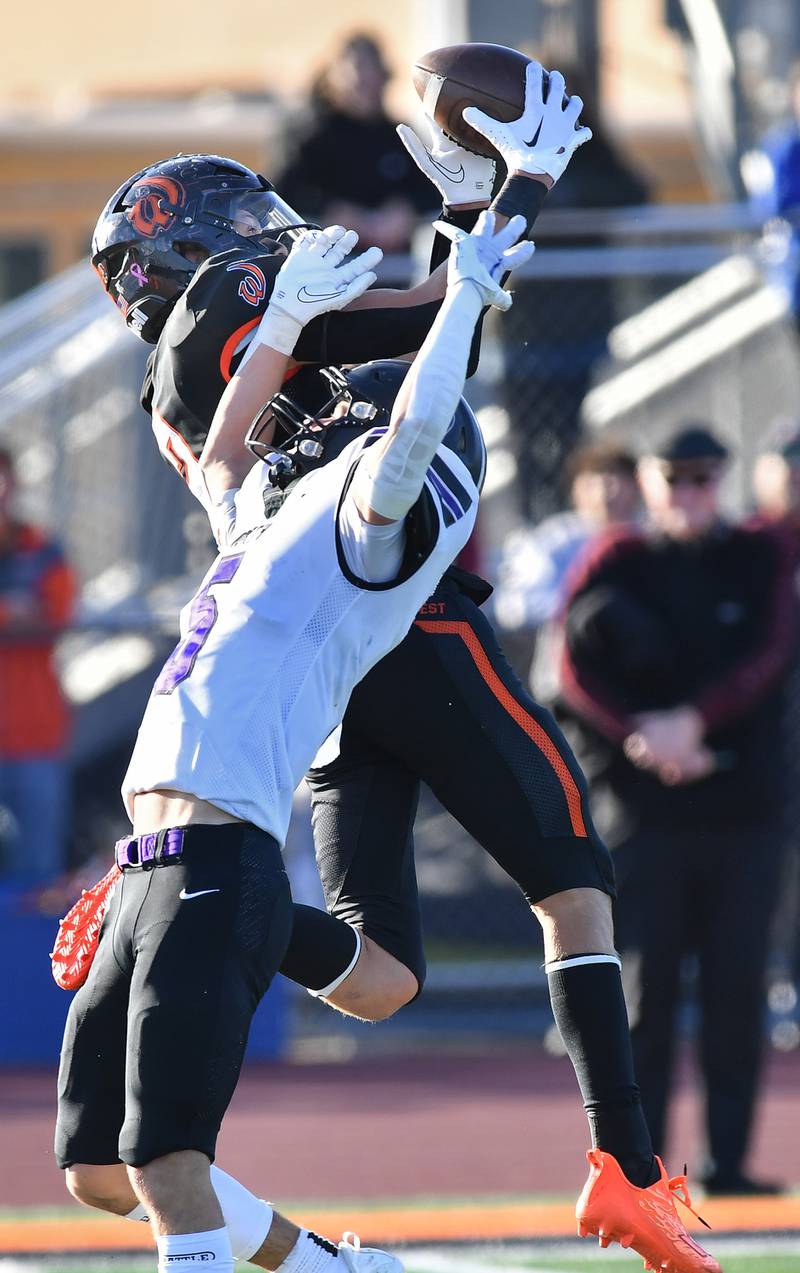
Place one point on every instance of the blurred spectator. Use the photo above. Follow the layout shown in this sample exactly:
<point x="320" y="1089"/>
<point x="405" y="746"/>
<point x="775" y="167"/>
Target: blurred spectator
<point x="558" y="328"/>
<point x="600" y="482"/>
<point x="776" y="477"/>
<point x="776" y="483"/>
<point x="348" y="166"/>
<point x="675" y="643"/>
<point x="36" y="597"/>
<point x="774" y="185"/>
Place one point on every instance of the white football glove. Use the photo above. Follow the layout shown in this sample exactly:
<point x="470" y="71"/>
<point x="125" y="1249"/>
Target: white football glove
<point x="458" y="175"/>
<point x="482" y="257"/>
<point x="315" y="277"/>
<point x="544" y="138"/>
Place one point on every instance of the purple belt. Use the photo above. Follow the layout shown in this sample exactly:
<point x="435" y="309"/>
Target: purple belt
<point x="150" y="849"/>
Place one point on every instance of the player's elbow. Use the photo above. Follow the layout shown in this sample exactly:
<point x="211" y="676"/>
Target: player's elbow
<point x="388" y="999"/>
<point x="379" y="986"/>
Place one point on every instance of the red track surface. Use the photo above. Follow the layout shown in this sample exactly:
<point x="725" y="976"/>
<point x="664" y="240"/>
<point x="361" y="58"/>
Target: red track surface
<point x="509" y="1123"/>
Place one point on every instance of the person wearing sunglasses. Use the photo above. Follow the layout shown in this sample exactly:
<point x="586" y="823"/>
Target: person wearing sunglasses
<point x="676" y="638"/>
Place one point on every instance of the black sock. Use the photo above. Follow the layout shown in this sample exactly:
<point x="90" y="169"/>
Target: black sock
<point x="320" y="948"/>
<point x="589" y="1010"/>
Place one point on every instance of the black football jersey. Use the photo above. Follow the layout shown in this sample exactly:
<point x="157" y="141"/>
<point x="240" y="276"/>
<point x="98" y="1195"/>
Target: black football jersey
<point x="204" y="338"/>
<point x="212" y="324"/>
<point x="210" y="329"/>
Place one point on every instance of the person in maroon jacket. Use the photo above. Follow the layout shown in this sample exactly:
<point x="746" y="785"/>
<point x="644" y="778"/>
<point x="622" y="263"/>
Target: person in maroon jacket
<point x="676" y="640"/>
<point x="776" y="486"/>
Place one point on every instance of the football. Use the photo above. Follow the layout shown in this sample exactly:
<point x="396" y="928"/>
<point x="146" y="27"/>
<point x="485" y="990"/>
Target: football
<point x="490" y="76"/>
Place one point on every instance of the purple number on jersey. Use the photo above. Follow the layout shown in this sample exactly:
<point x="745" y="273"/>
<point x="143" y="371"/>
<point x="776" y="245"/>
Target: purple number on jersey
<point x="202" y="617"/>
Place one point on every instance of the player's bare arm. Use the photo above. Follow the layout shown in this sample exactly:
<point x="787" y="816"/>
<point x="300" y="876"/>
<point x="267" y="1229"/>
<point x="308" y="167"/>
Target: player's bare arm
<point x="430" y="289"/>
<point x="224" y="459"/>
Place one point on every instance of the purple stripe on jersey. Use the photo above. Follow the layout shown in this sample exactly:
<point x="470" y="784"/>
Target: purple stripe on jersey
<point x="370" y="438"/>
<point x="451" y="482"/>
<point x="446" y="496"/>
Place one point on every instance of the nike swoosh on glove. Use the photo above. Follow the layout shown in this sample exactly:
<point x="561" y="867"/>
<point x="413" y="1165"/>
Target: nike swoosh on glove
<point x="460" y="177"/>
<point x="317" y="276"/>
<point x="545" y="137"/>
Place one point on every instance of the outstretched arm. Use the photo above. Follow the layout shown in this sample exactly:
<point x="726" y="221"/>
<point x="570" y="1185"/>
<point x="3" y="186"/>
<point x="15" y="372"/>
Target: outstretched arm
<point x="390" y="477"/>
<point x="465" y="181"/>
<point x="318" y="275"/>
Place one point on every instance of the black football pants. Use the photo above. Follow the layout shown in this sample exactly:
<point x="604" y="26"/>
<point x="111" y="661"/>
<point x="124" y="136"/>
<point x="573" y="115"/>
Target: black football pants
<point x="711" y="893"/>
<point x="445" y="708"/>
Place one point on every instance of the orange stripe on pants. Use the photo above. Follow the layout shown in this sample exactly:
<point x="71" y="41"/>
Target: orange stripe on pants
<point x="524" y="719"/>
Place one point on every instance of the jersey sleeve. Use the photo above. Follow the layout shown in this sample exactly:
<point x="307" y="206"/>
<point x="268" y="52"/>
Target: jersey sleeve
<point x="200" y="347"/>
<point x="436" y="528"/>
<point x="361" y="335"/>
<point x="373" y="552"/>
<point x="202" y="343"/>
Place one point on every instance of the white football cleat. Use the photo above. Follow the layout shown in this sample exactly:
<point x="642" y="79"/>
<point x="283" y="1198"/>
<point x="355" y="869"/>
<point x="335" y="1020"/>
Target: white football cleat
<point x="366" y="1259"/>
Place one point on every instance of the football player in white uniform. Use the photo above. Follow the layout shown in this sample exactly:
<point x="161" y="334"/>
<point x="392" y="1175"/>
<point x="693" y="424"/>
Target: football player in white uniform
<point x="289" y="617"/>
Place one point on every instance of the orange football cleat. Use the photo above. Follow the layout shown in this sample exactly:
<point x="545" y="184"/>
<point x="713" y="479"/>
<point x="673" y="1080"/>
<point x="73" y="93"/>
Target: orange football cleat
<point x="644" y="1219"/>
<point x="79" y="932"/>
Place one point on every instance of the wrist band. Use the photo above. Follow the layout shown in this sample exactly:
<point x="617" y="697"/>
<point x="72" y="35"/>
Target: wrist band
<point x="277" y="329"/>
<point x="464" y="218"/>
<point x="521" y="196"/>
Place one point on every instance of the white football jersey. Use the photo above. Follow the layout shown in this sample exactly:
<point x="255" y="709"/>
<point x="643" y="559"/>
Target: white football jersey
<point x="277" y="637"/>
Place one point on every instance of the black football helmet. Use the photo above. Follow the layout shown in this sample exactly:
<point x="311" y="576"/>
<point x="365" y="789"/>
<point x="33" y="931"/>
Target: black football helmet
<point x="165" y="221"/>
<point x="312" y="426"/>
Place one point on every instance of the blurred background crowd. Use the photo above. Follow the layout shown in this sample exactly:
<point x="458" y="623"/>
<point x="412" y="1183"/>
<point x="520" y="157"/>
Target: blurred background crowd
<point x="641" y="521"/>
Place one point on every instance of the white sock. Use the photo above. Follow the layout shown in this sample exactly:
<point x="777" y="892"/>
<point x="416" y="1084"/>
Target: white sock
<point x="184" y="1252"/>
<point x="310" y="1254"/>
<point x="248" y="1219"/>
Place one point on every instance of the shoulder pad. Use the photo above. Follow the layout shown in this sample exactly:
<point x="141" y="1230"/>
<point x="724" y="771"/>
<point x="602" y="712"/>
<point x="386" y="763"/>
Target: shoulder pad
<point x="242" y="278"/>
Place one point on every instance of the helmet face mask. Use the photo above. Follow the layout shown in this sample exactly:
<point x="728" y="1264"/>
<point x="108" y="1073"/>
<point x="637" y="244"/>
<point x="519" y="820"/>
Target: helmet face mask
<point x="294" y="441"/>
<point x="300" y="442"/>
<point x="164" y="222"/>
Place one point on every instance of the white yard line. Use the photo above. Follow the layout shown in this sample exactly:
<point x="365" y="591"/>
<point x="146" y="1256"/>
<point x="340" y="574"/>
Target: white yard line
<point x="532" y="1257"/>
<point x="521" y="1257"/>
<point x="457" y="1262"/>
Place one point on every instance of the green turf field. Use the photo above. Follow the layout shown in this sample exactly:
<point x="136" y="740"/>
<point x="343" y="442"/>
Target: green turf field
<point x="745" y="1263"/>
<point x="756" y="1254"/>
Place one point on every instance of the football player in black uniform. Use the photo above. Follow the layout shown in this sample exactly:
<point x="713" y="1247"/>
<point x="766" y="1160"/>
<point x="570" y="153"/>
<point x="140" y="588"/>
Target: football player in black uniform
<point x="189" y="250"/>
<point x="286" y="622"/>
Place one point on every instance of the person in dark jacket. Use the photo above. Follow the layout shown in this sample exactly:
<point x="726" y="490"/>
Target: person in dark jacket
<point x="345" y="164"/>
<point x="676" y="640"/>
<point x="549" y="362"/>
<point x="776" y="486"/>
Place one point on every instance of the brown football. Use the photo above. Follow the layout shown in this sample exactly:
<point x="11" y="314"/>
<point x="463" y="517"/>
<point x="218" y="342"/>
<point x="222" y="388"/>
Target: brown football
<point x="486" y="75"/>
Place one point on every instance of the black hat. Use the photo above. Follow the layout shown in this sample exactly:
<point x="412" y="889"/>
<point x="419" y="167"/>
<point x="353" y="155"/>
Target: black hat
<point x="689" y="444"/>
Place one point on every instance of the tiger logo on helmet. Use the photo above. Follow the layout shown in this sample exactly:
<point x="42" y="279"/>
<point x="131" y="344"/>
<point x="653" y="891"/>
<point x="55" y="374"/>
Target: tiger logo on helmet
<point x="164" y="222"/>
<point x="155" y="205"/>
